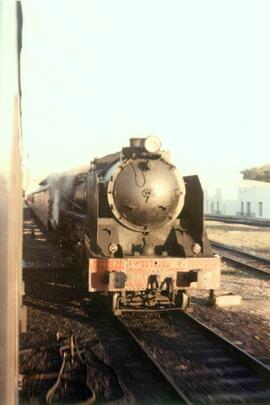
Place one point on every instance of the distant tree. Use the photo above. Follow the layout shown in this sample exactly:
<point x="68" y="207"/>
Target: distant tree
<point x="260" y="173"/>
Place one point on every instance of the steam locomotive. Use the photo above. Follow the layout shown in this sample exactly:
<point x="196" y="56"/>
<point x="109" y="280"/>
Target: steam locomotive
<point x="136" y="223"/>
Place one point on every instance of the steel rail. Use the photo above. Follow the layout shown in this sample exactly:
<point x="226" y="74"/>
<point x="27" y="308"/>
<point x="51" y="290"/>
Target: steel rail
<point x="243" y="258"/>
<point x="69" y="311"/>
<point x="246" y="357"/>
<point x="245" y="363"/>
<point x="231" y="350"/>
<point x="265" y="223"/>
<point x="179" y="392"/>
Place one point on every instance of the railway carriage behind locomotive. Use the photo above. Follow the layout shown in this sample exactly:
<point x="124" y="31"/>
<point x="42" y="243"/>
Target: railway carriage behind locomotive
<point x="137" y="223"/>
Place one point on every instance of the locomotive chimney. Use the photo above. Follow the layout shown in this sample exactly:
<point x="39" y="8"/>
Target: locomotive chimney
<point x="136" y="142"/>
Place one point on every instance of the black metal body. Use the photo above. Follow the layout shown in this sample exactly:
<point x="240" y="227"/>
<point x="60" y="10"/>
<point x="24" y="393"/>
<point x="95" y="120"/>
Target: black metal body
<point x="135" y="200"/>
<point x="130" y="205"/>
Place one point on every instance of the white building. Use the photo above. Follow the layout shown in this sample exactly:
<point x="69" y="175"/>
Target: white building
<point x="213" y="204"/>
<point x="253" y="201"/>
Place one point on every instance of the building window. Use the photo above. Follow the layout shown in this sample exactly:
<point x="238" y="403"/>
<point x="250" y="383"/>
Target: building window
<point x="248" y="209"/>
<point x="260" y="204"/>
<point x="217" y="207"/>
<point x="212" y="207"/>
<point x="242" y="207"/>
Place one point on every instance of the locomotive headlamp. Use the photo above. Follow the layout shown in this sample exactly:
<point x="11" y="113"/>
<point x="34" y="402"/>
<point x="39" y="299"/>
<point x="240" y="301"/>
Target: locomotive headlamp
<point x="196" y="248"/>
<point x="152" y="144"/>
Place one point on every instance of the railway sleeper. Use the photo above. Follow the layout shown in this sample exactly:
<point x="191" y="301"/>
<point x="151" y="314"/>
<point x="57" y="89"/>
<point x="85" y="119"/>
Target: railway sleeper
<point x="261" y="396"/>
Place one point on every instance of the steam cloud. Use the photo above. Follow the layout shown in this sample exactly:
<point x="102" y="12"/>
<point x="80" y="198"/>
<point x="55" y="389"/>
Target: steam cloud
<point x="61" y="187"/>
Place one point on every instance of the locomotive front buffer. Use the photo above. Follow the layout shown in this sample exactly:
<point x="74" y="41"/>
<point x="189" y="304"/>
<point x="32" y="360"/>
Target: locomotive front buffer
<point x="148" y="282"/>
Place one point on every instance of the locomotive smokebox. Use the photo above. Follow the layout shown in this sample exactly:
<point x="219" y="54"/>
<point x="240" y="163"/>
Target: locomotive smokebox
<point x="145" y="191"/>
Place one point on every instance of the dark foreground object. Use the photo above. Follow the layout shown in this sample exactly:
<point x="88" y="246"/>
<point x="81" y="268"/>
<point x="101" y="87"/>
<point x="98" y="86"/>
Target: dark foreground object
<point x="116" y="367"/>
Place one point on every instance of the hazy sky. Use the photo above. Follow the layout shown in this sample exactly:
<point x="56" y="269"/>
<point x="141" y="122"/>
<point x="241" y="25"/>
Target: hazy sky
<point x="195" y="73"/>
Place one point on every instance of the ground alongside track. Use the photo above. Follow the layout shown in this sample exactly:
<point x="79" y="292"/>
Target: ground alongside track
<point x="253" y="238"/>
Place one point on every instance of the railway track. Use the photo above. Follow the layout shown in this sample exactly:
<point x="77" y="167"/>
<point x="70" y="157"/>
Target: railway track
<point x="201" y="365"/>
<point x="239" y="220"/>
<point x="167" y="357"/>
<point x="238" y="256"/>
<point x="139" y="379"/>
<point x="158" y="357"/>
